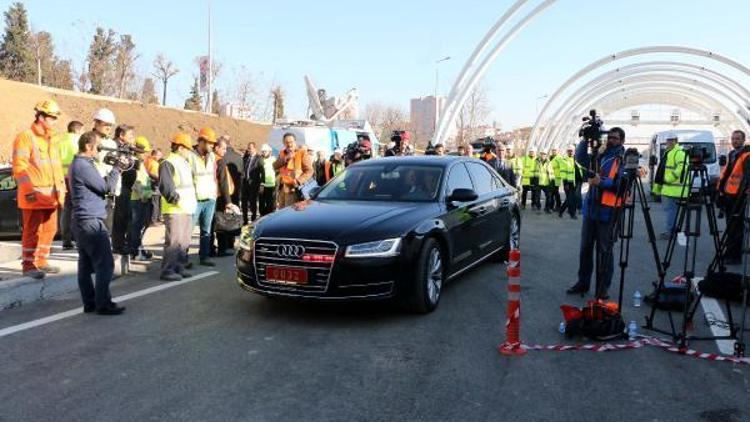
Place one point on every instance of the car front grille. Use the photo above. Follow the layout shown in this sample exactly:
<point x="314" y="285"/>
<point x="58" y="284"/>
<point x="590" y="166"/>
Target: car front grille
<point x="288" y="253"/>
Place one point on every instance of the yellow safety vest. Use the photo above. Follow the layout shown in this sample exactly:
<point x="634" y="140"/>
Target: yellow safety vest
<point x="183" y="182"/>
<point x="142" y="186"/>
<point x="204" y="176"/>
<point x="675" y="179"/>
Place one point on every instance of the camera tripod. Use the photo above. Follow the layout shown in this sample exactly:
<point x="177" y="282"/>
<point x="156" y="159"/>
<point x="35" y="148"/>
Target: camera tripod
<point x="688" y="221"/>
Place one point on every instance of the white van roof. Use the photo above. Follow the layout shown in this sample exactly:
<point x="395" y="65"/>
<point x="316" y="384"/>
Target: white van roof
<point x="686" y="136"/>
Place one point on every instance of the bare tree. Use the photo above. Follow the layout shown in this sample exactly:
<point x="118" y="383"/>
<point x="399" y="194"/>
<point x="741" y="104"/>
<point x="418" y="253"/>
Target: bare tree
<point x="40" y="44"/>
<point x="384" y="119"/>
<point x="474" y="114"/>
<point x="164" y="69"/>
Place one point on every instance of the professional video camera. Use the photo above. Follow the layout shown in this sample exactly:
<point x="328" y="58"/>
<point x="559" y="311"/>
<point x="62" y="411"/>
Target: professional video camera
<point x="124" y="156"/>
<point x="697" y="154"/>
<point x="359" y="150"/>
<point x="397" y="139"/>
<point x="592" y="128"/>
<point x="430" y="150"/>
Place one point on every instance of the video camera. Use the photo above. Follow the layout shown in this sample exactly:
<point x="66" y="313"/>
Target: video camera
<point x="398" y="137"/>
<point x="359" y="150"/>
<point x="124" y="156"/>
<point x="592" y="129"/>
<point x="697" y="154"/>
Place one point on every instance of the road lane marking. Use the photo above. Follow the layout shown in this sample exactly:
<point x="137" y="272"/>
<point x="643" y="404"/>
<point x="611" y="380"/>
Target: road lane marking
<point x="711" y="307"/>
<point x="73" y="312"/>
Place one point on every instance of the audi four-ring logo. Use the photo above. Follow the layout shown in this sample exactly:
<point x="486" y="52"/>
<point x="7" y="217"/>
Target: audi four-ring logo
<point x="290" y="251"/>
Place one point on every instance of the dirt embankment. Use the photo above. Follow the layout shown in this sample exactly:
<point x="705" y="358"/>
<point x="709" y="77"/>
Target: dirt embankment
<point x="157" y="123"/>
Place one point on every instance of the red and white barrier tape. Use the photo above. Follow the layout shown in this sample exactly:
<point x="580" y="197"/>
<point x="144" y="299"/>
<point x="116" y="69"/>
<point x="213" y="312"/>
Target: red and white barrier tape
<point x="637" y="344"/>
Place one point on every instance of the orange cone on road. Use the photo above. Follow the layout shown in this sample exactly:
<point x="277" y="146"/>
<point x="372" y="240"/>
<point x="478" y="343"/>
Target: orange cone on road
<point x="512" y="345"/>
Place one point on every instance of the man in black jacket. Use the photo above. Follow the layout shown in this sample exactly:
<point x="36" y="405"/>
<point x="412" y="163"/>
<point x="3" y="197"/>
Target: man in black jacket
<point x="124" y="135"/>
<point x="250" y="186"/>
<point x="234" y="165"/>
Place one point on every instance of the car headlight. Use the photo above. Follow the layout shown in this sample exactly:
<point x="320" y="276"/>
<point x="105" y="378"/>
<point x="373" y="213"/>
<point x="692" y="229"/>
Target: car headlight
<point x="377" y="249"/>
<point x="246" y="237"/>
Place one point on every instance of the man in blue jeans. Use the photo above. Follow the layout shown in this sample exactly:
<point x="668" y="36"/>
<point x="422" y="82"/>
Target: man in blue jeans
<point x="88" y="191"/>
<point x="598" y="212"/>
<point x="203" y="165"/>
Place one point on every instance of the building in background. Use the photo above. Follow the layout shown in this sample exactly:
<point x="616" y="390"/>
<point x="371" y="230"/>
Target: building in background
<point x="423" y="114"/>
<point x="237" y="111"/>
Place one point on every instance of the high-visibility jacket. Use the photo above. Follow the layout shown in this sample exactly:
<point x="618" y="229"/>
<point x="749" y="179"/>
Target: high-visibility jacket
<point x="517" y="164"/>
<point x="152" y="166"/>
<point x="530" y="169"/>
<point x="38" y="170"/>
<point x="545" y="172"/>
<point x="567" y="167"/>
<point x="297" y="169"/>
<point x="68" y="143"/>
<point x="555" y="164"/>
<point x="142" y="189"/>
<point x="269" y="174"/>
<point x="609" y="197"/>
<point x="184" y="185"/>
<point x="734" y="182"/>
<point x="204" y="175"/>
<point x="675" y="177"/>
<point x="332" y="169"/>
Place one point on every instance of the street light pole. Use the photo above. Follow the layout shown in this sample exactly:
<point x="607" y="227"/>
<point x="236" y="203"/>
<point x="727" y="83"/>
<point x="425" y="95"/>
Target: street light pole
<point x="437" y="103"/>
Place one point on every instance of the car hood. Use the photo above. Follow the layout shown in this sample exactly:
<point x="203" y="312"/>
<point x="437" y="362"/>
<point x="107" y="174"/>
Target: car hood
<point x="344" y="221"/>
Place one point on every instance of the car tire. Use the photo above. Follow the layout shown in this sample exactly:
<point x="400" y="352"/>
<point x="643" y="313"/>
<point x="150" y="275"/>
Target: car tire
<point x="514" y="238"/>
<point x="426" y="289"/>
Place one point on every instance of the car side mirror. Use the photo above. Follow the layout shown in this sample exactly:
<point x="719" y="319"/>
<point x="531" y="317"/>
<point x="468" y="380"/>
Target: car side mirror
<point x="462" y="195"/>
<point x="315" y="191"/>
<point x="722" y="160"/>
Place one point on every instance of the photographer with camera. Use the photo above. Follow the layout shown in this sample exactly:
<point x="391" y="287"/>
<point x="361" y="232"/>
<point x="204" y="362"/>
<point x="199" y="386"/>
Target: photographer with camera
<point x="671" y="182"/>
<point x="358" y="151"/>
<point x="89" y="191"/>
<point x="598" y="207"/>
<point x="731" y="196"/>
<point x="400" y="144"/>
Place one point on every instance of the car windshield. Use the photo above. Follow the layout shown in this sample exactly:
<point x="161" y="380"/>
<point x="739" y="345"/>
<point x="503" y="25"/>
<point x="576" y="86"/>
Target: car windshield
<point x="386" y="182"/>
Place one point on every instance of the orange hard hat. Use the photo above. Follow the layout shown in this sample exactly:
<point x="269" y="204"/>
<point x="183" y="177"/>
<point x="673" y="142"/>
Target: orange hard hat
<point x="182" y="139"/>
<point x="48" y="107"/>
<point x="208" y="134"/>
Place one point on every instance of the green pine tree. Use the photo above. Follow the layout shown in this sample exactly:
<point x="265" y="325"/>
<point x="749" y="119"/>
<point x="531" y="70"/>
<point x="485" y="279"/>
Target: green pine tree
<point x="101" y="57"/>
<point x="195" y="101"/>
<point x="16" y="58"/>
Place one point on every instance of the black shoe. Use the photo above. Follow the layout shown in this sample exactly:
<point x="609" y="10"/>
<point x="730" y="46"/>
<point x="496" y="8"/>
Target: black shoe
<point x="87" y="309"/>
<point x="111" y="309"/>
<point x="559" y="215"/>
<point x="140" y="258"/>
<point x="68" y="246"/>
<point x="577" y="289"/>
<point x="574" y="217"/>
<point x="35" y="274"/>
<point x="171" y="277"/>
<point x="189" y="265"/>
<point x="185" y="275"/>
<point x="206" y="263"/>
<point x="548" y="211"/>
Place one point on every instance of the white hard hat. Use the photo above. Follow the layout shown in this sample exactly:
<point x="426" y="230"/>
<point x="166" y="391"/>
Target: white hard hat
<point x="338" y="151"/>
<point x="671" y="135"/>
<point x="266" y="147"/>
<point x="532" y="149"/>
<point x="105" y="115"/>
<point x="571" y="147"/>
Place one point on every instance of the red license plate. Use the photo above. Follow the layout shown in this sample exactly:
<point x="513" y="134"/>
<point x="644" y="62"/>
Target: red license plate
<point x="286" y="275"/>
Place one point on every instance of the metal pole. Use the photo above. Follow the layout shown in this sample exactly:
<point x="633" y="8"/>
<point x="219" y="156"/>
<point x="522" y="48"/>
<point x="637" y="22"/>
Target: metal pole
<point x="210" y="65"/>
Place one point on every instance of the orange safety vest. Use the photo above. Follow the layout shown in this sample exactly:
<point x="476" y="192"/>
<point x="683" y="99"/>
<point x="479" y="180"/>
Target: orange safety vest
<point x="293" y="168"/>
<point x="610" y="199"/>
<point x="735" y="178"/>
<point x="37" y="168"/>
<point x="152" y="166"/>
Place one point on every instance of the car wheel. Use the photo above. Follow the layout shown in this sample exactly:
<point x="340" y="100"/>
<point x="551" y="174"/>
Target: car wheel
<point x="430" y="276"/>
<point x="514" y="238"/>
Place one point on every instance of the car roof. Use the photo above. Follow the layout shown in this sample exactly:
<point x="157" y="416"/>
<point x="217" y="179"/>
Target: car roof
<point x="429" y="160"/>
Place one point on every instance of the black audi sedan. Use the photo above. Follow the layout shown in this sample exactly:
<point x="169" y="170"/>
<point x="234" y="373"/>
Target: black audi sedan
<point x="397" y="227"/>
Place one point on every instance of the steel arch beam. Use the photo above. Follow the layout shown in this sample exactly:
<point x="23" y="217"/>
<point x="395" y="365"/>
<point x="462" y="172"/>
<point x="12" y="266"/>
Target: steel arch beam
<point x="607" y="79"/>
<point x="652" y="88"/>
<point x="631" y="53"/>
<point x="463" y="86"/>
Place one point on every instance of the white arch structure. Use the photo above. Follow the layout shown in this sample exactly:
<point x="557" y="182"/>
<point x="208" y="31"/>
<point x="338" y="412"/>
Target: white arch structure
<point x="637" y="73"/>
<point x="655" y="92"/>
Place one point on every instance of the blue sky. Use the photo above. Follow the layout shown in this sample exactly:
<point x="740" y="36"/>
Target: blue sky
<point x="387" y="48"/>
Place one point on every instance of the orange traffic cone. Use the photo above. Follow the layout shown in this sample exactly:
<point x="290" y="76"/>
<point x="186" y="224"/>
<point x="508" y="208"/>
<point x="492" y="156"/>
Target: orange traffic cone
<point x="512" y="345"/>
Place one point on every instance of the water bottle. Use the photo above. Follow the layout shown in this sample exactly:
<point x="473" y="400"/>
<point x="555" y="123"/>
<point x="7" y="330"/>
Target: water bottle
<point x="562" y="328"/>
<point x="637" y="299"/>
<point x="632" y="331"/>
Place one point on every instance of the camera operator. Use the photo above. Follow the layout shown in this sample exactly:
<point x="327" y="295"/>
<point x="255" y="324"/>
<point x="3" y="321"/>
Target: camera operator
<point x="400" y="144"/>
<point x="730" y="195"/>
<point x="358" y="151"/>
<point x="89" y="190"/>
<point x="670" y="182"/>
<point x="597" y="212"/>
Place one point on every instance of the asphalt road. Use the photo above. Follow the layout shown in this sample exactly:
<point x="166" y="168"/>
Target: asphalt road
<point x="207" y="350"/>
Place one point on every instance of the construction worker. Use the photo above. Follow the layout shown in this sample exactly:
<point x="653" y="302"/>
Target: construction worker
<point x="671" y="182"/>
<point x="598" y="208"/>
<point x="530" y="180"/>
<point x="515" y="162"/>
<point x="89" y="191"/>
<point x="295" y="168"/>
<point x="547" y="182"/>
<point x="141" y="203"/>
<point x="335" y="165"/>
<point x="568" y="170"/>
<point x="732" y="196"/>
<point x="178" y="204"/>
<point x="152" y="166"/>
<point x="268" y="179"/>
<point x="124" y="137"/>
<point x="203" y="166"/>
<point x="104" y="122"/>
<point x="554" y="161"/>
<point x="68" y="149"/>
<point x="38" y="171"/>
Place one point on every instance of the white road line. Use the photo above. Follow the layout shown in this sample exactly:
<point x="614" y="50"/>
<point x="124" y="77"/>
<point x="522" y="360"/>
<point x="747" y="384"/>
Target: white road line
<point x="711" y="307"/>
<point x="67" y="314"/>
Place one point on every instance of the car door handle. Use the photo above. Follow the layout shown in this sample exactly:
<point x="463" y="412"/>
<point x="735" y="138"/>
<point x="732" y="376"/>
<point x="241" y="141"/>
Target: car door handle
<point x="505" y="202"/>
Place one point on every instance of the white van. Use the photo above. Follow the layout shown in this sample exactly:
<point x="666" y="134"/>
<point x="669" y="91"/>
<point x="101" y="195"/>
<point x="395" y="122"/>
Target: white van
<point x="688" y="139"/>
<point x="321" y="137"/>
